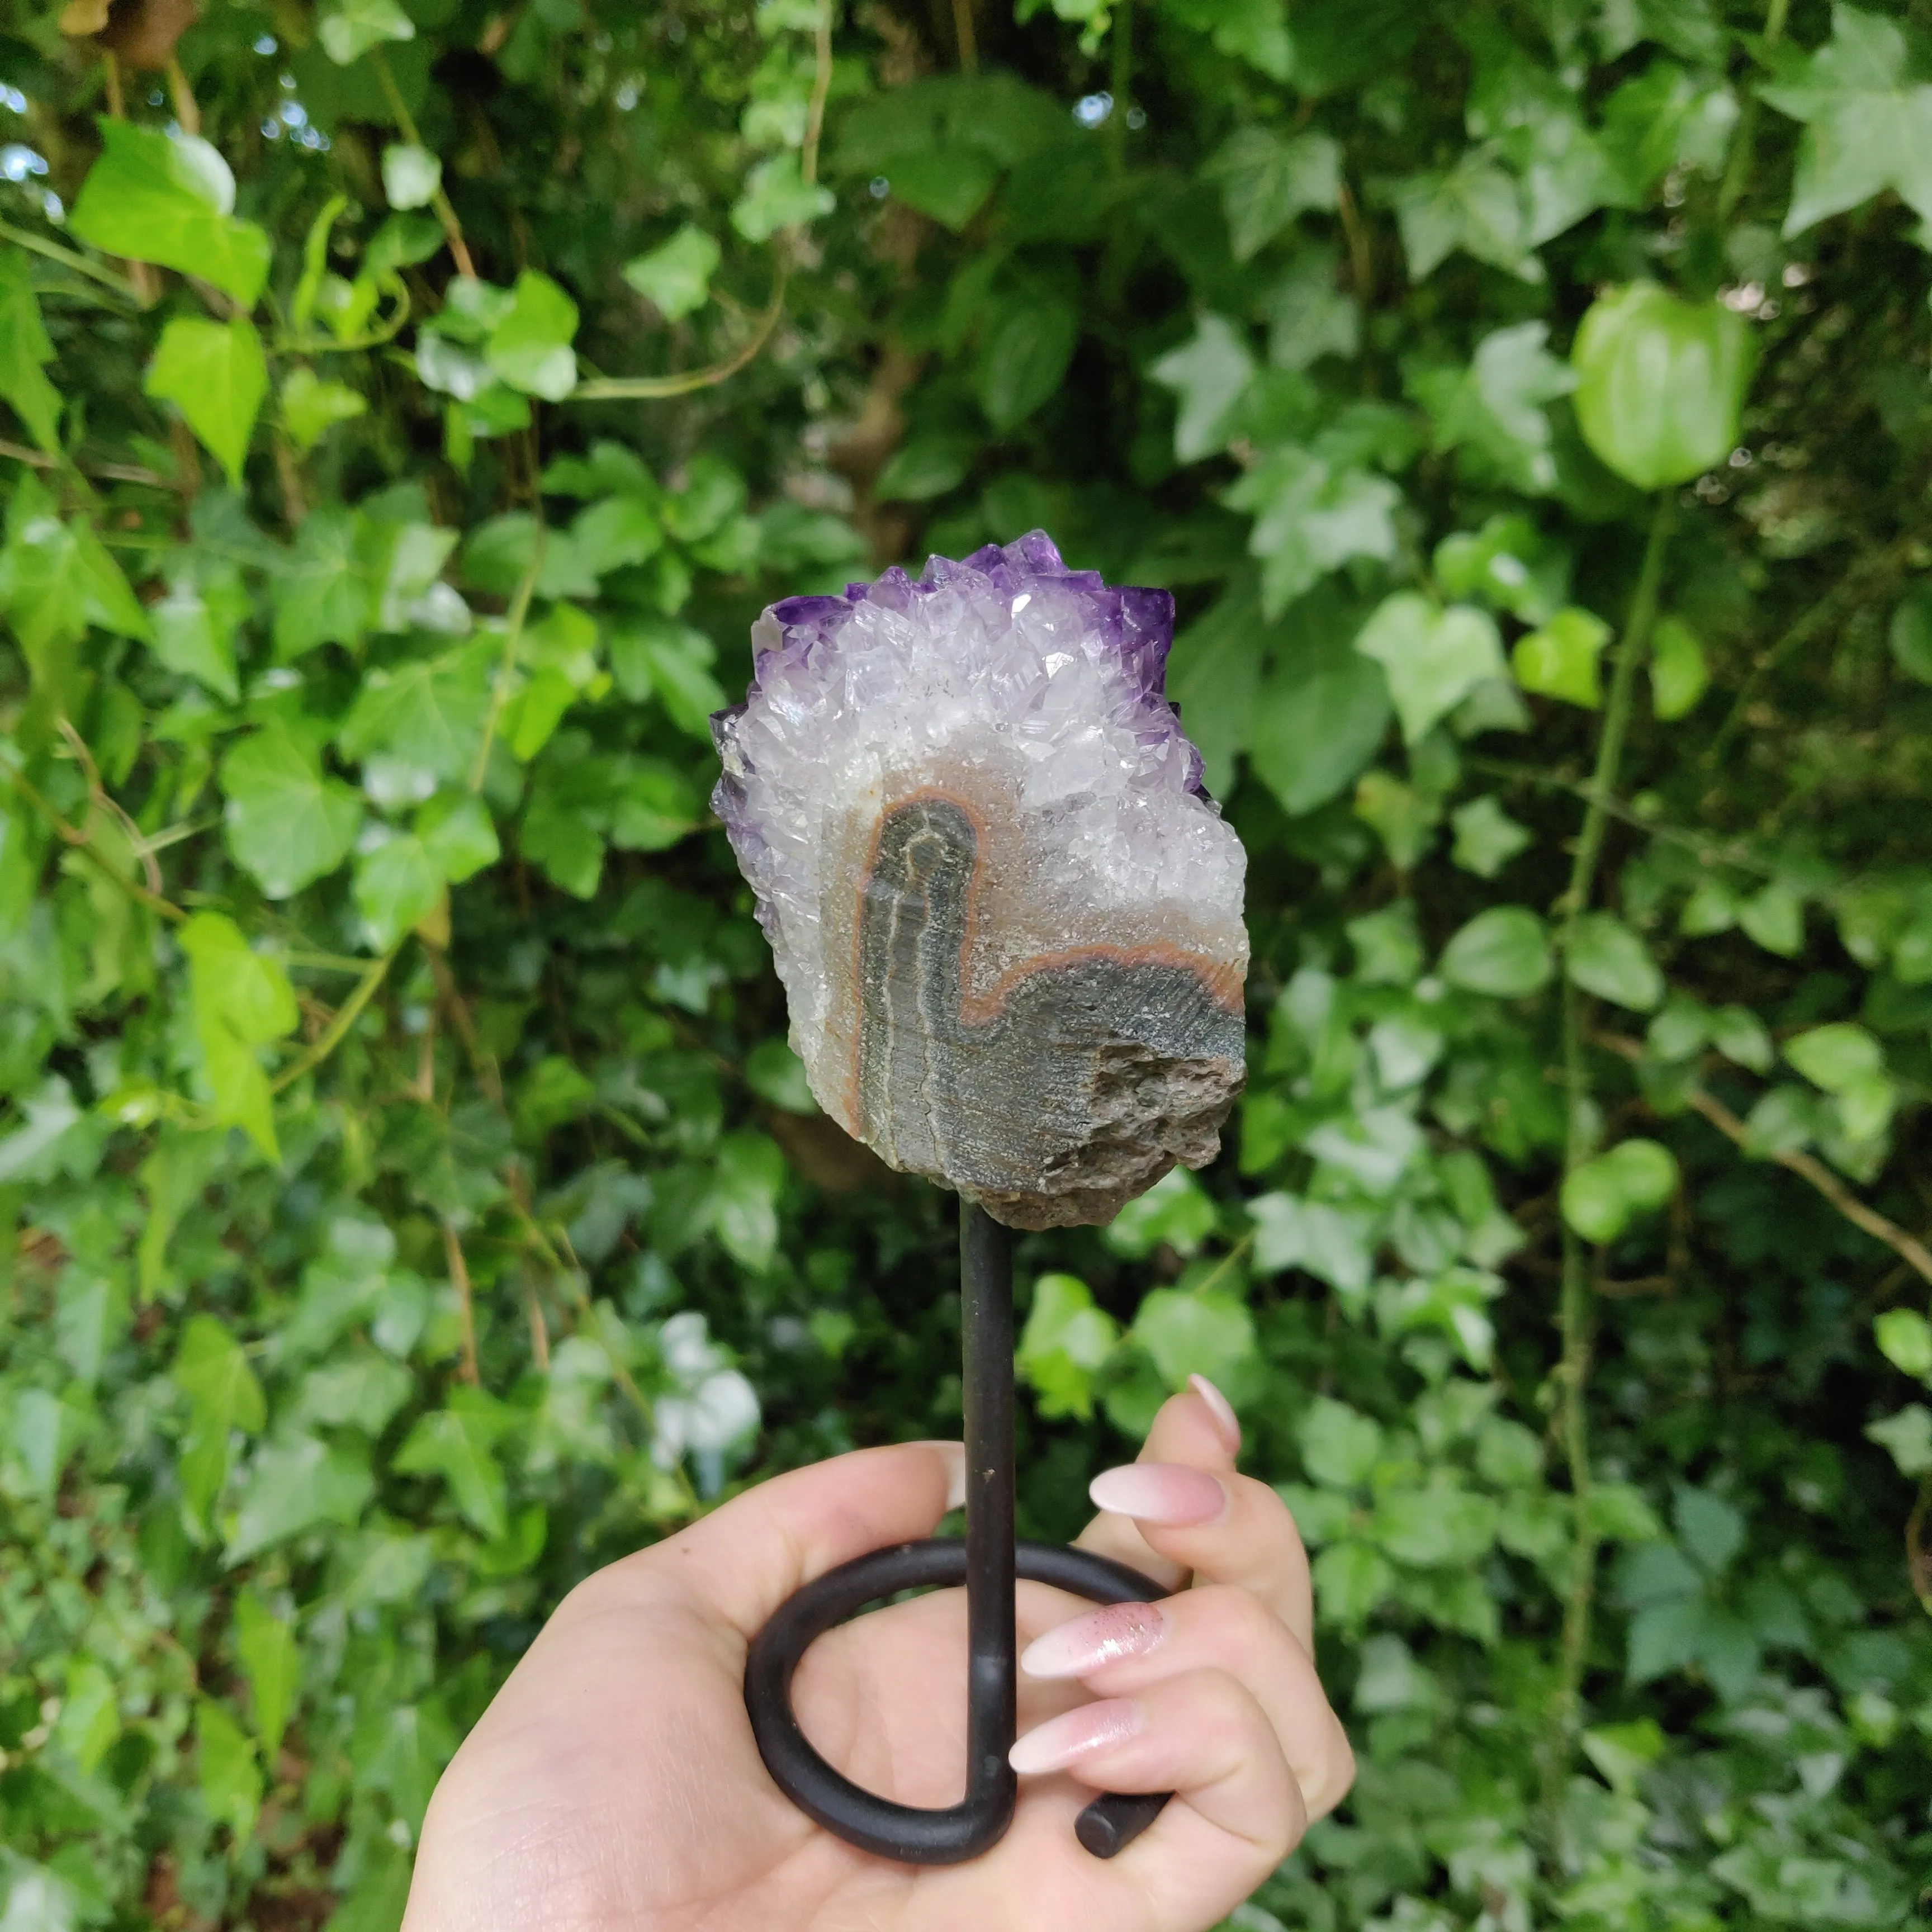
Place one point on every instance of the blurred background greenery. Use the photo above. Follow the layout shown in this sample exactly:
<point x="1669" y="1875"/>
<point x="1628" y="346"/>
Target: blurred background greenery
<point x="412" y="1201"/>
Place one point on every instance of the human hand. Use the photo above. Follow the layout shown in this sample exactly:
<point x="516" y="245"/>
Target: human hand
<point x="613" y="1782"/>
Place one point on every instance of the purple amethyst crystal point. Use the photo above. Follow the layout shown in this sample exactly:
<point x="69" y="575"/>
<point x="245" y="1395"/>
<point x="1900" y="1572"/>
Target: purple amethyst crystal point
<point x="1007" y="916"/>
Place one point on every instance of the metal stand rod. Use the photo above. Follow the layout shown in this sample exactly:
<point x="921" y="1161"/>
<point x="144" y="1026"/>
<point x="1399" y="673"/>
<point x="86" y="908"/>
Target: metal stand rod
<point x="992" y="1647"/>
<point x="987" y="1563"/>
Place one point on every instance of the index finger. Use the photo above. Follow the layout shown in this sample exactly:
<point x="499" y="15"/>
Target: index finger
<point x="742" y="1561"/>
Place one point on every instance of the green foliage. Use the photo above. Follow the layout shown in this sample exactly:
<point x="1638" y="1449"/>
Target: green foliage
<point x="413" y="1200"/>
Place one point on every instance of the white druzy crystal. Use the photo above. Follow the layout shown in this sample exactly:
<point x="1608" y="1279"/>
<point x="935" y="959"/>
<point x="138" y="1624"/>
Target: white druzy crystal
<point x="1029" y="695"/>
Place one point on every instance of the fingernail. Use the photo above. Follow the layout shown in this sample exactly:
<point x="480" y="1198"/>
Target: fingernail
<point x="1074" y="1735"/>
<point x="954" y="1453"/>
<point x="1169" y="1494"/>
<point x="1221" y="1409"/>
<point x="1101" y="1636"/>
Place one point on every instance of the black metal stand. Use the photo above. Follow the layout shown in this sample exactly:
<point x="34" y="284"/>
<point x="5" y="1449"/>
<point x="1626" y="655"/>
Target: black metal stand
<point x="987" y="1563"/>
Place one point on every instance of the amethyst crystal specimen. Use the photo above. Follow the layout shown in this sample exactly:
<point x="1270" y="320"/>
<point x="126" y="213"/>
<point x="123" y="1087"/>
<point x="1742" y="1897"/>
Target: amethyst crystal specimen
<point x="1007" y="916"/>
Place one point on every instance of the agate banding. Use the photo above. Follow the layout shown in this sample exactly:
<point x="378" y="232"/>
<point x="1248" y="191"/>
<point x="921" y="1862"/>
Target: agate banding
<point x="1006" y="916"/>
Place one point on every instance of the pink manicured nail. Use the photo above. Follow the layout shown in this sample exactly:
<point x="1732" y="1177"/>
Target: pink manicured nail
<point x="1168" y="1494"/>
<point x="1101" y="1636"/>
<point x="1221" y="1409"/>
<point x="1074" y="1735"/>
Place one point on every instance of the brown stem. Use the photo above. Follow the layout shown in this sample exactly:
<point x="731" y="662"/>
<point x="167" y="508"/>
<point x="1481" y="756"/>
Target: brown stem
<point x="1361" y="268"/>
<point x="99" y="796"/>
<point x="288" y="474"/>
<point x="482" y="1062"/>
<point x="962" y="32"/>
<point x="821" y="86"/>
<point x="1918" y="1557"/>
<point x="113" y="473"/>
<point x="82" y="842"/>
<point x="649" y="389"/>
<point x="513" y="630"/>
<point x="186" y="110"/>
<point x="459" y="1273"/>
<point x="452" y="228"/>
<point x="539" y="1327"/>
<point x="1908" y="1247"/>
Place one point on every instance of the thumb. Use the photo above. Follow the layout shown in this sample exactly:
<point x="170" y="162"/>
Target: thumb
<point x="743" y="1561"/>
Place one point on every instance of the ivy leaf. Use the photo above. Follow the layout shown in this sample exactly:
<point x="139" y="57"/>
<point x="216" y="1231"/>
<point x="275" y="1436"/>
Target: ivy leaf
<point x="1317" y="718"/>
<point x="676" y="276"/>
<point x="1176" y="1210"/>
<point x="745" y="1190"/>
<point x="1907" y="1436"/>
<point x="457" y="1443"/>
<point x="657" y="656"/>
<point x="1904" y="1338"/>
<point x="616" y="534"/>
<point x="1664" y="119"/>
<point x="1433" y="658"/>
<point x="322" y="591"/>
<point x="397" y="886"/>
<point x="411" y="175"/>
<point x="216" y="375"/>
<point x="1474" y="207"/>
<point x="1493" y="411"/>
<point x="271" y="1659"/>
<point x="950" y="183"/>
<point x="1602" y="1197"/>
<point x="530" y="347"/>
<point x="1835" y="1057"/>
<point x="1559" y="659"/>
<point x="657" y="806"/>
<point x="242" y="1000"/>
<point x="230" y="1779"/>
<point x="1603" y="956"/>
<point x="778" y="196"/>
<point x="1866" y="127"/>
<point x="311" y="406"/>
<point x="1660" y="383"/>
<point x="1504" y="952"/>
<point x="1253" y="30"/>
<point x="1066" y="1340"/>
<point x="1024" y="356"/>
<point x="194" y="625"/>
<point x="459" y="835"/>
<point x="295" y="1484"/>
<point x="1566" y="172"/>
<point x="24" y="351"/>
<point x="1340" y="1446"/>
<point x="57" y="577"/>
<point x="351" y="28"/>
<point x="287" y="824"/>
<point x="168" y="198"/>
<point x="211" y="1368"/>
<point x="427" y="715"/>
<point x="1187" y="1334"/>
<point x="1487" y="838"/>
<point x="1267" y="181"/>
<point x="1308" y="317"/>
<point x="1773" y="917"/>
<point x="1679" y="671"/>
<point x="1310" y="519"/>
<point x="1210" y="373"/>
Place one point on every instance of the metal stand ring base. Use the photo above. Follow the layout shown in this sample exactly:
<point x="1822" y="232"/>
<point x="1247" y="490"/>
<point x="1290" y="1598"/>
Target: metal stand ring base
<point x="906" y="1832"/>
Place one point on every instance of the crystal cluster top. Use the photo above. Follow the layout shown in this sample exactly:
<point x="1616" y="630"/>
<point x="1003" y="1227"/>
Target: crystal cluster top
<point x="1007" y="916"/>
